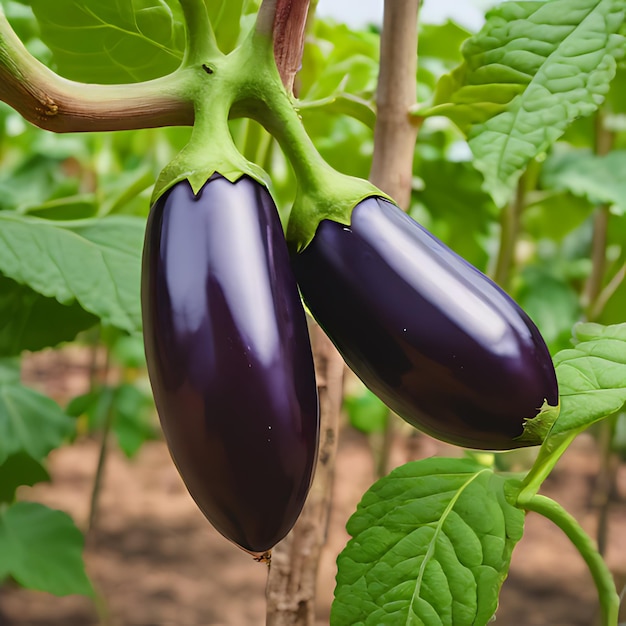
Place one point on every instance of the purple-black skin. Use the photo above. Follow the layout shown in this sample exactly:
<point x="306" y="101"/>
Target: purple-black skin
<point x="440" y="343"/>
<point x="229" y="357"/>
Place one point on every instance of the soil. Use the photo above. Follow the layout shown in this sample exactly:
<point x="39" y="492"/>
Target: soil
<point x="156" y="561"/>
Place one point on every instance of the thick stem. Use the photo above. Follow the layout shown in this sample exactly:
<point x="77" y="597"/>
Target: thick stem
<point x="396" y="130"/>
<point x="289" y="28"/>
<point x="292" y="581"/>
<point x="201" y="43"/>
<point x="602" y="577"/>
<point x="291" y="588"/>
<point x="60" y="105"/>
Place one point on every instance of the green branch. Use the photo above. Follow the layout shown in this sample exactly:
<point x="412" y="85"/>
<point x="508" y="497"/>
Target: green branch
<point x="201" y="42"/>
<point x="54" y="103"/>
<point x="602" y="577"/>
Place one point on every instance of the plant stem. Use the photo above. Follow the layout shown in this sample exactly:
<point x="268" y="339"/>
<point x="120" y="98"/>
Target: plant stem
<point x="603" y="579"/>
<point x="510" y="222"/>
<point x="292" y="580"/>
<point x="102" y="455"/>
<point x="595" y="297"/>
<point x="60" y="105"/>
<point x="396" y="130"/>
<point x="201" y="43"/>
<point x="550" y="452"/>
<point x="289" y="27"/>
<point x="291" y="587"/>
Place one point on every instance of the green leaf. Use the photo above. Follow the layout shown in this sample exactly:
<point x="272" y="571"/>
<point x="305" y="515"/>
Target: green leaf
<point x="338" y="60"/>
<point x="442" y="42"/>
<point x="129" y="408"/>
<point x="112" y="41"/>
<point x="600" y="179"/>
<point x="30" y="321"/>
<point x="592" y="376"/>
<point x="30" y="422"/>
<point x="554" y="214"/>
<point x="431" y="545"/>
<point x="343" y="104"/>
<point x="19" y="469"/>
<point x="533" y="68"/>
<point x="96" y="262"/>
<point x="462" y="212"/>
<point x="133" y="424"/>
<point x="42" y="549"/>
<point x="365" y="411"/>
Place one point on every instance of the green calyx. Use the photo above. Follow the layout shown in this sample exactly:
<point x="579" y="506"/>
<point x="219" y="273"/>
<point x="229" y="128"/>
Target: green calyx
<point x="210" y="148"/>
<point x="537" y="429"/>
<point x="246" y="83"/>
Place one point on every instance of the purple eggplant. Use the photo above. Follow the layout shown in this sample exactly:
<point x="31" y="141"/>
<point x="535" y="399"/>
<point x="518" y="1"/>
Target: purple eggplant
<point x="435" y="339"/>
<point x="229" y="357"/>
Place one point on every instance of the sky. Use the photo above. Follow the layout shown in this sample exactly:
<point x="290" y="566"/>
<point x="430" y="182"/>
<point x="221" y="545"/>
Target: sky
<point x="468" y="13"/>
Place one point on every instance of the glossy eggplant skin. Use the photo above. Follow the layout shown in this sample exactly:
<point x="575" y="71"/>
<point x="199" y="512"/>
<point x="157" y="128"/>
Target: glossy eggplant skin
<point x="229" y="357"/>
<point x="440" y="343"/>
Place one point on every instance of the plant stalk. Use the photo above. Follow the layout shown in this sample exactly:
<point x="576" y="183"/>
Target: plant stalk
<point x="602" y="577"/>
<point x="54" y="103"/>
<point x="510" y="225"/>
<point x="395" y="132"/>
<point x="292" y="580"/>
<point x="102" y="456"/>
<point x="201" y="43"/>
<point x="595" y="297"/>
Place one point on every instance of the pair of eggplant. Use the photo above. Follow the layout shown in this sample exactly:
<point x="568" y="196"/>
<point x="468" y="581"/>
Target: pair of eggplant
<point x="230" y="360"/>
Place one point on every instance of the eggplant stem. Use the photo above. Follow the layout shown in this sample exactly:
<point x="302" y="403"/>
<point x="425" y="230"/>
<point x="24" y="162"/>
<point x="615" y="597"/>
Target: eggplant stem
<point x="602" y="577"/>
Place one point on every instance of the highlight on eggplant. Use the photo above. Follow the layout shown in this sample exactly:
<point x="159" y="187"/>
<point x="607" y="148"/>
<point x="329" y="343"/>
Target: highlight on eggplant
<point x="438" y="341"/>
<point x="229" y="357"/>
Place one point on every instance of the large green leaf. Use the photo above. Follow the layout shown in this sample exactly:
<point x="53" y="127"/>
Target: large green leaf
<point x="96" y="262"/>
<point x="29" y="421"/>
<point x="600" y="179"/>
<point x="30" y="321"/>
<point x="592" y="376"/>
<point x="533" y="68"/>
<point x="42" y="549"/>
<point x="431" y="544"/>
<point x="112" y="41"/>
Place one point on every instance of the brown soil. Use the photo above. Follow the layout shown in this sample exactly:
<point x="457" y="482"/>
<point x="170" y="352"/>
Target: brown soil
<point x="156" y="561"/>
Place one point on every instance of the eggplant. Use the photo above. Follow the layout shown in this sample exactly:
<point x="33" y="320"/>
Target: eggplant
<point x="229" y="357"/>
<point x="434" y="338"/>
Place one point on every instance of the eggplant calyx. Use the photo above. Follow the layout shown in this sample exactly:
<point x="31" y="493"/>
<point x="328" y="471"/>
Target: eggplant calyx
<point x="537" y="429"/>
